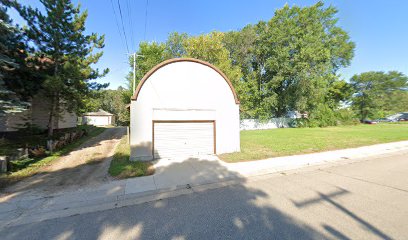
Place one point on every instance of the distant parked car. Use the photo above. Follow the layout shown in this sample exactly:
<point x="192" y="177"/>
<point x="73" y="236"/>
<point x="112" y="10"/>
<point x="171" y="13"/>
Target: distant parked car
<point x="366" y="121"/>
<point x="402" y="119"/>
<point x="399" y="117"/>
<point x="384" y="120"/>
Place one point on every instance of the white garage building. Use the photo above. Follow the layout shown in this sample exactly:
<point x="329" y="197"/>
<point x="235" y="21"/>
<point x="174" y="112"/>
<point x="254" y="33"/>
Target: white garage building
<point x="99" y="118"/>
<point x="183" y="107"/>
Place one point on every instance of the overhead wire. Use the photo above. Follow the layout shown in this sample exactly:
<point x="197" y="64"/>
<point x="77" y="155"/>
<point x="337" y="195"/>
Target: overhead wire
<point x="123" y="27"/>
<point x="130" y="15"/>
<point x="145" y="26"/>
<point x="116" y="21"/>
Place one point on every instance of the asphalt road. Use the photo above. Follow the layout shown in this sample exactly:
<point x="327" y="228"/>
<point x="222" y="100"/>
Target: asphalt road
<point x="361" y="200"/>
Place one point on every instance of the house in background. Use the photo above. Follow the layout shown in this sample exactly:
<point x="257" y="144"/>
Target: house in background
<point x="99" y="118"/>
<point x="38" y="115"/>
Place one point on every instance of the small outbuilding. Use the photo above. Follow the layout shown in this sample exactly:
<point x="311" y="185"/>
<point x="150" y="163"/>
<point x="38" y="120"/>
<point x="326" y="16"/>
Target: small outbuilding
<point x="99" y="118"/>
<point x="183" y="107"/>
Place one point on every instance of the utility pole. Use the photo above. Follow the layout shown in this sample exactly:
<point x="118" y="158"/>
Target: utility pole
<point x="134" y="72"/>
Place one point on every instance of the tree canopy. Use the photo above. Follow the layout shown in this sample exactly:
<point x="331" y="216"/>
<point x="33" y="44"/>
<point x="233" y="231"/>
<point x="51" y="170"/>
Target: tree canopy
<point x="58" y="35"/>
<point x="292" y="61"/>
<point x="18" y="78"/>
<point x="379" y="93"/>
<point x="113" y="101"/>
<point x="288" y="63"/>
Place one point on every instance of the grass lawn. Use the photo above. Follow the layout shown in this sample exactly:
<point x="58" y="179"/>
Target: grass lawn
<point x="27" y="167"/>
<point x="121" y="167"/>
<point x="261" y="144"/>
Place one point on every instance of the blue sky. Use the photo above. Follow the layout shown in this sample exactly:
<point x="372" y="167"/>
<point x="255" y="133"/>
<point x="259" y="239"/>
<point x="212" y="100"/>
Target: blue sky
<point x="379" y="28"/>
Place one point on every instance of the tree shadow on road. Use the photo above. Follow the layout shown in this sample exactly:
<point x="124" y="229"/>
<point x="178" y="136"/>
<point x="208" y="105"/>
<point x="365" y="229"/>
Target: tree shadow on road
<point x="236" y="211"/>
<point x="223" y="213"/>
<point x="329" y="198"/>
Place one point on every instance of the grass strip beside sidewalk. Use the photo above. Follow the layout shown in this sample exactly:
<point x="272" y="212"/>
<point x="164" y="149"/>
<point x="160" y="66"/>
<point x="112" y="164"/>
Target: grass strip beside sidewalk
<point x="263" y="144"/>
<point x="121" y="167"/>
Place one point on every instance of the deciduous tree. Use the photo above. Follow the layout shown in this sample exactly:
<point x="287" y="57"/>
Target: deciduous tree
<point x="379" y="93"/>
<point x="210" y="48"/>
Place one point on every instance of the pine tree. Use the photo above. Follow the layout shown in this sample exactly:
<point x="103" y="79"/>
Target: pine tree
<point x="59" y="35"/>
<point x="17" y="79"/>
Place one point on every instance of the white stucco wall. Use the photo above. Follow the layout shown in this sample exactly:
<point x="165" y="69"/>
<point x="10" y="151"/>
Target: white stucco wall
<point x="184" y="91"/>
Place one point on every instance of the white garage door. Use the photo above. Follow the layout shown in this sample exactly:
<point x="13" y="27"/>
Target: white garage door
<point x="100" y="121"/>
<point x="181" y="139"/>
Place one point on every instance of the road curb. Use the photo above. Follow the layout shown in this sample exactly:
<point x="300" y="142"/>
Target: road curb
<point x="114" y="195"/>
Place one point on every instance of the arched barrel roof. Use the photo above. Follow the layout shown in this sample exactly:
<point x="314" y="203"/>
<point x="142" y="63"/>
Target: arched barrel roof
<point x="174" y="60"/>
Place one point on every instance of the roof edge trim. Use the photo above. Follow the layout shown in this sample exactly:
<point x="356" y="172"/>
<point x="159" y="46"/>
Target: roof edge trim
<point x="174" y="60"/>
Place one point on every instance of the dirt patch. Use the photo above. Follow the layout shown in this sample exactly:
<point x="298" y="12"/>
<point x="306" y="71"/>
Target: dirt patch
<point x="86" y="165"/>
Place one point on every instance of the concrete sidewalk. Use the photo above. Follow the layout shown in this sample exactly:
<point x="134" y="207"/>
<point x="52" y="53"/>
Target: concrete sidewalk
<point x="172" y="178"/>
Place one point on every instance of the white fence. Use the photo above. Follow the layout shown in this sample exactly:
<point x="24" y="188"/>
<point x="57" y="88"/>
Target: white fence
<point x="254" y="124"/>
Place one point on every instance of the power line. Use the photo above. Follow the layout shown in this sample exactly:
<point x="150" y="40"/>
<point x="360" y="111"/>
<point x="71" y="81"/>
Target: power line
<point x="145" y="27"/>
<point x="116" y="21"/>
<point x="129" y="11"/>
<point x="123" y="27"/>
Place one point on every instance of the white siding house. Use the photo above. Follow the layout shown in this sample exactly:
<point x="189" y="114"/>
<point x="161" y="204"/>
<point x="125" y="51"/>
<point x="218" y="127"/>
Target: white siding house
<point x="99" y="118"/>
<point x="183" y="107"/>
<point x="38" y="115"/>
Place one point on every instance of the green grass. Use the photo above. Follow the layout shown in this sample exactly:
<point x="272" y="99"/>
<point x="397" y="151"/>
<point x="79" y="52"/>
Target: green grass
<point x="121" y="167"/>
<point x="27" y="167"/>
<point x="262" y="144"/>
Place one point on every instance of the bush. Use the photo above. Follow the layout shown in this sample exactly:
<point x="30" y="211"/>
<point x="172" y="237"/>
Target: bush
<point x="346" y="117"/>
<point x="322" y="116"/>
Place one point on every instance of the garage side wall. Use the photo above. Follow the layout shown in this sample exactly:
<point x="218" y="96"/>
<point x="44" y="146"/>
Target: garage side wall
<point x="184" y="91"/>
<point x="141" y="131"/>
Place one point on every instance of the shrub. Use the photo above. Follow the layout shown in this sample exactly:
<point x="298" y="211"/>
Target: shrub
<point x="346" y="116"/>
<point x="322" y="116"/>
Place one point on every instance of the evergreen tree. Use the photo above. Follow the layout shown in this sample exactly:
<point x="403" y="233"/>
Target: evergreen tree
<point x="18" y="81"/>
<point x="59" y="35"/>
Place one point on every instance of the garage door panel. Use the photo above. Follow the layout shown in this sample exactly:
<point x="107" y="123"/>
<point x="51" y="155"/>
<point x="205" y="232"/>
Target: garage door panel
<point x="177" y="139"/>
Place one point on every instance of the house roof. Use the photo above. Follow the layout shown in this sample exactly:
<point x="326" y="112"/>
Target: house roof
<point x="98" y="113"/>
<point x="174" y="60"/>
